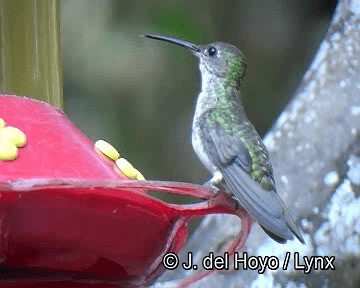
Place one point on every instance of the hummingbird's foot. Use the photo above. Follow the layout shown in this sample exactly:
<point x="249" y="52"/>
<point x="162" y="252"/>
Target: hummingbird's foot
<point x="216" y="179"/>
<point x="212" y="187"/>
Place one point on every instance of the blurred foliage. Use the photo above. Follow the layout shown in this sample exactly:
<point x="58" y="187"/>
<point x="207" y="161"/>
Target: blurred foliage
<point x="139" y="94"/>
<point x="30" y="49"/>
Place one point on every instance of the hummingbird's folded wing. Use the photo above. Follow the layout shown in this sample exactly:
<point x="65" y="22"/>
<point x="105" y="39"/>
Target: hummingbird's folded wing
<point x="234" y="161"/>
<point x="265" y="206"/>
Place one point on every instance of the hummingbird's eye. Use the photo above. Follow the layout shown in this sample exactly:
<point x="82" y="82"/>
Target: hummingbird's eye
<point x="212" y="51"/>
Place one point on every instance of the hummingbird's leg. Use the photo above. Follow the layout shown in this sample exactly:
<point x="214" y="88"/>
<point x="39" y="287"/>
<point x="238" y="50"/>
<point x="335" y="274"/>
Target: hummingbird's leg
<point x="216" y="179"/>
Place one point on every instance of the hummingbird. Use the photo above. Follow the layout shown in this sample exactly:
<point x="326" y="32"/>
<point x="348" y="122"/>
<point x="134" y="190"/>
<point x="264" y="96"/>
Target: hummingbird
<point x="228" y="144"/>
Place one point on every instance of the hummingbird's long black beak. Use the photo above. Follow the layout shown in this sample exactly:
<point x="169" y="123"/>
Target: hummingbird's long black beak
<point x="179" y="42"/>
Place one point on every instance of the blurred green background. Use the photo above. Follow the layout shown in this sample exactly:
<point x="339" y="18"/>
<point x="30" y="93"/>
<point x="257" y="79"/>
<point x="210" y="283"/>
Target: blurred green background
<point x="139" y="94"/>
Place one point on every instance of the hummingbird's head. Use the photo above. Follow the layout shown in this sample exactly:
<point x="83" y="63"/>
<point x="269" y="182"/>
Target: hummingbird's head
<point x="220" y="60"/>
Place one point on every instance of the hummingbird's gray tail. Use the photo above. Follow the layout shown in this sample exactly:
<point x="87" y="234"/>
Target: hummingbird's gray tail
<point x="265" y="206"/>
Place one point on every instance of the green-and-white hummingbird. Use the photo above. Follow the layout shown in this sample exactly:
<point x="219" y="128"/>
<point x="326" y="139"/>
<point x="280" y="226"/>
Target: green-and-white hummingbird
<point x="227" y="143"/>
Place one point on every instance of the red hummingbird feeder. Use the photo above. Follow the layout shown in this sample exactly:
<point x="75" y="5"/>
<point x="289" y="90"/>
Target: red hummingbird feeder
<point x="68" y="218"/>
